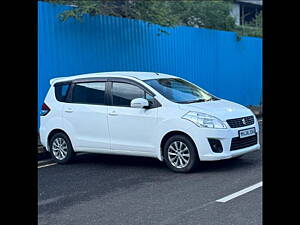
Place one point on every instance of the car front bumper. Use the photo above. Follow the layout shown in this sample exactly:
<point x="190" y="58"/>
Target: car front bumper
<point x="227" y="155"/>
<point x="225" y="136"/>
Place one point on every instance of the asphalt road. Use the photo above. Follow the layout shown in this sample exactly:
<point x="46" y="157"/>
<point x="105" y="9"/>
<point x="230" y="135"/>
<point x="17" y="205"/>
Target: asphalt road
<point x="107" y="189"/>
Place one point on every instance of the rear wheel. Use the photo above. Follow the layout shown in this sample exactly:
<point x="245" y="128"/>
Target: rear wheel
<point x="61" y="149"/>
<point x="180" y="154"/>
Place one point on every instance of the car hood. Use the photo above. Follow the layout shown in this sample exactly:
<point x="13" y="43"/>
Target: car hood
<point x="222" y="109"/>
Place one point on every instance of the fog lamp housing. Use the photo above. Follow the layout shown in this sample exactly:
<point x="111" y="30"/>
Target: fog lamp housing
<point x="215" y="145"/>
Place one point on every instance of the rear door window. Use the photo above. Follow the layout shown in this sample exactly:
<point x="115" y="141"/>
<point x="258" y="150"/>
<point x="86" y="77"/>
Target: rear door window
<point x="89" y="93"/>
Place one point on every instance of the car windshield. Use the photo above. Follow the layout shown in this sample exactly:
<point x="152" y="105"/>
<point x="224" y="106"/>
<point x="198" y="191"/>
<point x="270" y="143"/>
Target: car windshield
<point x="179" y="91"/>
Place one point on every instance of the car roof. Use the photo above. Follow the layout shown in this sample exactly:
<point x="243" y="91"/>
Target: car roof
<point x="121" y="74"/>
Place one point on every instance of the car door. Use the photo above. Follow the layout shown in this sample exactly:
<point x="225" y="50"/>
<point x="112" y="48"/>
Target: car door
<point x="85" y="116"/>
<point x="131" y="129"/>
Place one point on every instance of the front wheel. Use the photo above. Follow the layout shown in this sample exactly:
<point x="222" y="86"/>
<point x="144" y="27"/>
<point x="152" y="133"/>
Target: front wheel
<point x="180" y="154"/>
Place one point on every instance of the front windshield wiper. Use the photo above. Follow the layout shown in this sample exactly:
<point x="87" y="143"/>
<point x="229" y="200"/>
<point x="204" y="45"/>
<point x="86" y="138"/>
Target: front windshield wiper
<point x="194" y="101"/>
<point x="198" y="100"/>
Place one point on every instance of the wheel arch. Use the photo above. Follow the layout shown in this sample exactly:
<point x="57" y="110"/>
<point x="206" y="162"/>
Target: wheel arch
<point x="52" y="133"/>
<point x="169" y="135"/>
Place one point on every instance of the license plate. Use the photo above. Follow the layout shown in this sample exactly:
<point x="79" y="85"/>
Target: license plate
<point x="247" y="132"/>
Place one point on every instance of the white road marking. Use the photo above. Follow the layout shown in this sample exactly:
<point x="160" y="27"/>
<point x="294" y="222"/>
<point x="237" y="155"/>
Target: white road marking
<point x="51" y="164"/>
<point x="239" y="193"/>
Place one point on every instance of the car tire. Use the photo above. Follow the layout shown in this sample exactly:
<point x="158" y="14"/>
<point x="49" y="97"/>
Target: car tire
<point x="186" y="158"/>
<point x="61" y="148"/>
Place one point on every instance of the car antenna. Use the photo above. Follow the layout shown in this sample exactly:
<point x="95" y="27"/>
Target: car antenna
<point x="157" y="74"/>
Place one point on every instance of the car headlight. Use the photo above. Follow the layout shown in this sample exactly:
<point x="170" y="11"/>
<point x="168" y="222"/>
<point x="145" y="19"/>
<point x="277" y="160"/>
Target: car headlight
<point x="204" y="120"/>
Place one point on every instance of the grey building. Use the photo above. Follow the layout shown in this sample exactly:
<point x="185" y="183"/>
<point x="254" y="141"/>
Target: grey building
<point x="245" y="10"/>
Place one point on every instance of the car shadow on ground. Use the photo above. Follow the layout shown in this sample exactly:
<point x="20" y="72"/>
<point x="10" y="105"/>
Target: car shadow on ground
<point x="118" y="161"/>
<point x="226" y="165"/>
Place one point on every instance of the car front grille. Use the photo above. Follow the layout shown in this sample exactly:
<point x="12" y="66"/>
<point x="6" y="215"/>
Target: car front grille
<point x="239" y="143"/>
<point x="241" y="122"/>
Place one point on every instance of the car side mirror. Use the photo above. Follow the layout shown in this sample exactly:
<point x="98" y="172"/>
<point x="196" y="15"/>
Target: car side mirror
<point x="139" y="103"/>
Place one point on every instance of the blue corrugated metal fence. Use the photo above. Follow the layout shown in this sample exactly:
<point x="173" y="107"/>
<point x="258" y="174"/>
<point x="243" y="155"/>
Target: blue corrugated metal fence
<point x="214" y="60"/>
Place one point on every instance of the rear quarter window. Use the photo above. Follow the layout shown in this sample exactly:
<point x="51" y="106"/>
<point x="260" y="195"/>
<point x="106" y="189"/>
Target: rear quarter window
<point x="61" y="92"/>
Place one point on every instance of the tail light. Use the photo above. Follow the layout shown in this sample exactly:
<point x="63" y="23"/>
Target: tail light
<point x="45" y="110"/>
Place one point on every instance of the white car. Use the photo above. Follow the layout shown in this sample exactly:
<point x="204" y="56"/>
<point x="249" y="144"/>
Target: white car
<point x="144" y="114"/>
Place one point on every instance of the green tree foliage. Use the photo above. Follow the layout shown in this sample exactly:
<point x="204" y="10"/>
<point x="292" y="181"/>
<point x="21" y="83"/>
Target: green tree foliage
<point x="213" y="14"/>
<point x="257" y="21"/>
<point x="252" y="28"/>
<point x="209" y="14"/>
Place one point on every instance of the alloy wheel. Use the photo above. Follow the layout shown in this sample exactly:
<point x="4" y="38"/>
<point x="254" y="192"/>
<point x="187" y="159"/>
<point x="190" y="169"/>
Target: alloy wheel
<point x="179" y="154"/>
<point x="59" y="148"/>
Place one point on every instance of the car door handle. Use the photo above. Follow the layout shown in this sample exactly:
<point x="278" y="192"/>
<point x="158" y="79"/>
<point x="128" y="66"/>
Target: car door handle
<point x="69" y="110"/>
<point x="113" y="113"/>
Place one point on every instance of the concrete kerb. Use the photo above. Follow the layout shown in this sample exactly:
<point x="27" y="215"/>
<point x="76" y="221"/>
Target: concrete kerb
<point x="42" y="153"/>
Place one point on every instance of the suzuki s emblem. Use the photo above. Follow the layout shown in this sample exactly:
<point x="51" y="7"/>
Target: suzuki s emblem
<point x="244" y="121"/>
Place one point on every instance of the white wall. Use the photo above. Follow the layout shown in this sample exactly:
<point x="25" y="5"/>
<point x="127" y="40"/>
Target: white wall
<point x="235" y="12"/>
